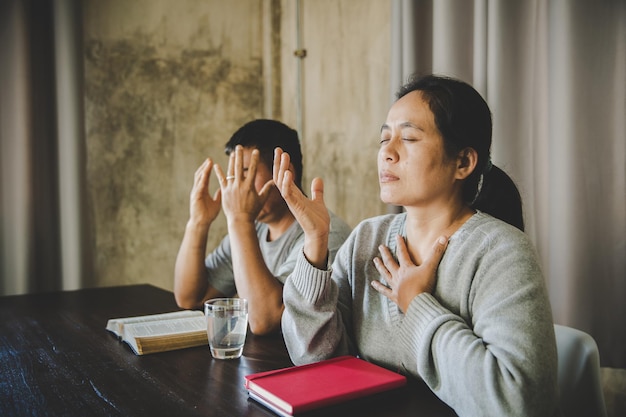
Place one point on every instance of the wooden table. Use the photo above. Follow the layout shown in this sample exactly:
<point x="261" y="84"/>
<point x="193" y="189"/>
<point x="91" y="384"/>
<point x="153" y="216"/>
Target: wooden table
<point x="57" y="359"/>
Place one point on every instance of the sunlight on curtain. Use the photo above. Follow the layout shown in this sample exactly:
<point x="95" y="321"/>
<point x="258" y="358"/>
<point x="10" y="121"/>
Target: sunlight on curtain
<point x="554" y="74"/>
<point x="70" y="116"/>
<point x="42" y="239"/>
<point x="14" y="143"/>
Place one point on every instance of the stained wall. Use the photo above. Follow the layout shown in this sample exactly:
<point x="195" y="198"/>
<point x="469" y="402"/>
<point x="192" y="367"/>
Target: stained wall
<point x="166" y="84"/>
<point x="345" y="96"/>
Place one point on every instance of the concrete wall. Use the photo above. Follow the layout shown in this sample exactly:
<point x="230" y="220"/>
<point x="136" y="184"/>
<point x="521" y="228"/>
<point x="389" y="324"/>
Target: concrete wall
<point x="166" y="84"/>
<point x="345" y="96"/>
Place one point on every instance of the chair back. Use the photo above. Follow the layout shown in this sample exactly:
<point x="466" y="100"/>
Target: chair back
<point x="580" y="387"/>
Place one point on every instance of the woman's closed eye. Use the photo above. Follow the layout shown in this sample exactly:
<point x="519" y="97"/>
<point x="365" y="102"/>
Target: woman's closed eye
<point x="384" y="140"/>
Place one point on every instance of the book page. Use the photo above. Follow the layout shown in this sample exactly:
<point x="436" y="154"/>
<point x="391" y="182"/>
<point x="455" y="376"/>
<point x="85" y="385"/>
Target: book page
<point x="117" y="325"/>
<point x="269" y="405"/>
<point x="164" y="327"/>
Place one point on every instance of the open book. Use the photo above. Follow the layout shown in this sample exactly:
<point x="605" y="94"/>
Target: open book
<point x="293" y="390"/>
<point x="161" y="332"/>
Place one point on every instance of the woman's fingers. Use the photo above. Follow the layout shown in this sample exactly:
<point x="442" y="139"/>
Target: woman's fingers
<point x="403" y="252"/>
<point x="438" y="249"/>
<point x="382" y="269"/>
<point x="387" y="259"/>
<point x="386" y="291"/>
<point x="317" y="190"/>
<point x="284" y="181"/>
<point x="404" y="278"/>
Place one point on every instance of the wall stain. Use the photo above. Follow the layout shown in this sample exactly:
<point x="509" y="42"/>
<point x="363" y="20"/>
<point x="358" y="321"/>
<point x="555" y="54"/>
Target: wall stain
<point x="346" y="168"/>
<point x="150" y="111"/>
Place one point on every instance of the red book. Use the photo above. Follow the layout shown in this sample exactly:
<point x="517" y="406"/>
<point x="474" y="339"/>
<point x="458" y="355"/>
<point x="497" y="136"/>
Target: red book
<point x="289" y="391"/>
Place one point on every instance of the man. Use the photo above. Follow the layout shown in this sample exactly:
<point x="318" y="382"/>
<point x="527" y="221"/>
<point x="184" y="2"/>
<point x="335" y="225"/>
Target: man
<point x="258" y="254"/>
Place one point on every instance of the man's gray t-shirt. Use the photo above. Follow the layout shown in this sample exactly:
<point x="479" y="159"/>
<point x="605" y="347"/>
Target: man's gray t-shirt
<point x="280" y="255"/>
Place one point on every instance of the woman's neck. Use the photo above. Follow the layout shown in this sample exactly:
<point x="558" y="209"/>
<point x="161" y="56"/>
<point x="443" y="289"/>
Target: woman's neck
<point x="423" y="227"/>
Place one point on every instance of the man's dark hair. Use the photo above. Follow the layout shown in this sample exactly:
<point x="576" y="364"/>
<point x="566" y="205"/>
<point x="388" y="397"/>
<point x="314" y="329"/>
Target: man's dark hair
<point x="267" y="135"/>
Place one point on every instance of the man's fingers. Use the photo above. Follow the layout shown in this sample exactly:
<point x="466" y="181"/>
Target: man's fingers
<point x="252" y="167"/>
<point x="201" y="168"/>
<point x="283" y="168"/>
<point x="265" y="191"/>
<point x="219" y="174"/>
<point x="276" y="167"/>
<point x="238" y="165"/>
<point x="230" y="170"/>
<point x="217" y="196"/>
<point x="202" y="173"/>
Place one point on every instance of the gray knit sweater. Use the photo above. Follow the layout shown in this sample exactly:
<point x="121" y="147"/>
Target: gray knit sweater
<point x="483" y="341"/>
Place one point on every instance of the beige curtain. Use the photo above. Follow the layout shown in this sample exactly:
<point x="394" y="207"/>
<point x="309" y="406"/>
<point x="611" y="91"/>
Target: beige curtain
<point x="554" y="74"/>
<point x="42" y="240"/>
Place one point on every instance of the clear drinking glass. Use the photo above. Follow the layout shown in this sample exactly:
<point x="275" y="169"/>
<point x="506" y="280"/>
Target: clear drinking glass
<point x="227" y="324"/>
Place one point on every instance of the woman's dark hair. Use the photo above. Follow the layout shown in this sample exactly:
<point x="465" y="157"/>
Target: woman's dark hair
<point x="267" y="135"/>
<point x="464" y="120"/>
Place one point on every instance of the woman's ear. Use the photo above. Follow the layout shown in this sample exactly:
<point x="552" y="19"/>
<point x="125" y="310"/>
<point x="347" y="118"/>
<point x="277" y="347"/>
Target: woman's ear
<point x="466" y="162"/>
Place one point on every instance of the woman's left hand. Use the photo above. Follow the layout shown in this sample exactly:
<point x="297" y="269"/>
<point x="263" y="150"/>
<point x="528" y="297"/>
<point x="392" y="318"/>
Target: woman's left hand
<point x="404" y="278"/>
<point x="312" y="213"/>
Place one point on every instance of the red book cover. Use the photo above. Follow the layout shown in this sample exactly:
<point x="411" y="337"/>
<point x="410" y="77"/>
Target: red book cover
<point x="296" y="389"/>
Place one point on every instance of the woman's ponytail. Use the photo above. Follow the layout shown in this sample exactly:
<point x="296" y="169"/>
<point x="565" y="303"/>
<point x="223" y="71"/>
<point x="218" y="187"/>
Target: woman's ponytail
<point x="498" y="196"/>
<point x="464" y="120"/>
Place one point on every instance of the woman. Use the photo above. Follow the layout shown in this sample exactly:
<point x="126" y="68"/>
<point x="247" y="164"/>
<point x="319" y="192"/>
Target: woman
<point x="444" y="291"/>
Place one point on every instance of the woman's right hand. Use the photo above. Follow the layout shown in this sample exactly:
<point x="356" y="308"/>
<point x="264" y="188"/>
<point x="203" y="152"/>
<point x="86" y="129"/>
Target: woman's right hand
<point x="203" y="208"/>
<point x="312" y="213"/>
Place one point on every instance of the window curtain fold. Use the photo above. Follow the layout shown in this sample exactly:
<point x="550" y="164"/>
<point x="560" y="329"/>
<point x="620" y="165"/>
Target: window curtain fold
<point x="42" y="240"/>
<point x="554" y="75"/>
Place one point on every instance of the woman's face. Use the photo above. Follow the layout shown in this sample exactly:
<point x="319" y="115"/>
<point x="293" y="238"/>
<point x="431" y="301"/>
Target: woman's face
<point x="413" y="168"/>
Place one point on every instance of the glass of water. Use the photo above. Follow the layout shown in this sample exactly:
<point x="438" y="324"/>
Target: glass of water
<point x="227" y="324"/>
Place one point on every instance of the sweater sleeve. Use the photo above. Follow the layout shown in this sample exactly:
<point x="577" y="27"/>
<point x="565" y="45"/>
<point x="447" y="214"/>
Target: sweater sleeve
<point x="312" y="323"/>
<point x="502" y="356"/>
